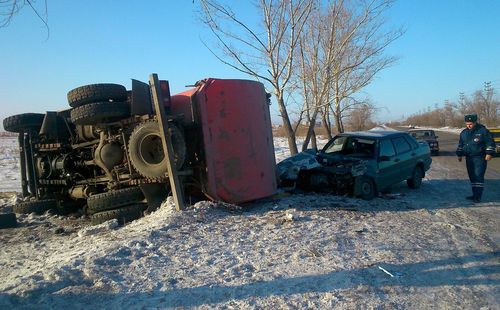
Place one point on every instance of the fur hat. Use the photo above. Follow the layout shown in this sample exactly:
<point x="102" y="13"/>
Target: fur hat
<point x="470" y="118"/>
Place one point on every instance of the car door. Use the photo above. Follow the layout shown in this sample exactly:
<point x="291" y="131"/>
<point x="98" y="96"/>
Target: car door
<point x="405" y="157"/>
<point x="388" y="164"/>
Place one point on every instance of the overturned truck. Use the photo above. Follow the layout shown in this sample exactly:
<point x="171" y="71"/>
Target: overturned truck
<point x="106" y="153"/>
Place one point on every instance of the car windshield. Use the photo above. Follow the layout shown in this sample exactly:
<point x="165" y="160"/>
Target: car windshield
<point x="422" y="133"/>
<point x="351" y="146"/>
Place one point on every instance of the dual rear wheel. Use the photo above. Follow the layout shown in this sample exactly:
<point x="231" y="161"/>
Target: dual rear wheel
<point x="98" y="104"/>
<point x="124" y="205"/>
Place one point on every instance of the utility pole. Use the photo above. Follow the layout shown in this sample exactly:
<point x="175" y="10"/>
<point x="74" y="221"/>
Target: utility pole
<point x="488" y="97"/>
<point x="487" y="87"/>
<point x="461" y="97"/>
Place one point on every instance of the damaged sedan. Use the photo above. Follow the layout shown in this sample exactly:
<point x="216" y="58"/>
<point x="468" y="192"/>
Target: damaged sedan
<point x="361" y="164"/>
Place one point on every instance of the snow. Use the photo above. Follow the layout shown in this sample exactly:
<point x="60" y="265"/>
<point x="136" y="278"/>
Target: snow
<point x="445" y="129"/>
<point x="9" y="165"/>
<point x="289" y="251"/>
<point x="282" y="151"/>
<point x="383" y="128"/>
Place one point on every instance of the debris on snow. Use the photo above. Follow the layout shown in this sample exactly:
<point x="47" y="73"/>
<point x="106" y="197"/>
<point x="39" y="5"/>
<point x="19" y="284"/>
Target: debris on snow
<point x="387" y="272"/>
<point x="93" y="230"/>
<point x="361" y="230"/>
<point x="291" y="215"/>
<point x="315" y="252"/>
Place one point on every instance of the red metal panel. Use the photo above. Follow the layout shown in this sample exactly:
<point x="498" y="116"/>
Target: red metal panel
<point x="238" y="142"/>
<point x="182" y="105"/>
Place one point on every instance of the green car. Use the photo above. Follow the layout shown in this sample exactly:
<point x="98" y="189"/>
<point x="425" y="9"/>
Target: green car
<point x="359" y="163"/>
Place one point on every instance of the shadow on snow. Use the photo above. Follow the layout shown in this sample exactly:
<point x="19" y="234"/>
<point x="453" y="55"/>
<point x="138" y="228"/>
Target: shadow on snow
<point x="441" y="272"/>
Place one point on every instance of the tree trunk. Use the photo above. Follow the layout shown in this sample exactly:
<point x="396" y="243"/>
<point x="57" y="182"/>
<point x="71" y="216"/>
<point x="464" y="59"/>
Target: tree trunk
<point x="287" y="125"/>
<point x="310" y="129"/>
<point x="338" y="116"/>
<point x="314" y="142"/>
<point x="325" y="120"/>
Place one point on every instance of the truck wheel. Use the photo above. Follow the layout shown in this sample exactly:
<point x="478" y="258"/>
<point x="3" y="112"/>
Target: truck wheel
<point x="37" y="207"/>
<point x="23" y="122"/>
<point x="96" y="93"/>
<point x="114" y="199"/>
<point x="365" y="188"/>
<point x="146" y="150"/>
<point x="416" y="179"/>
<point x="123" y="214"/>
<point x="99" y="113"/>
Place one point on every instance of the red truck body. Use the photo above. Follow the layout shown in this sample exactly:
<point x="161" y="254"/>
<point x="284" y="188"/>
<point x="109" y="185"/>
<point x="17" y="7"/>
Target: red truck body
<point x="237" y="137"/>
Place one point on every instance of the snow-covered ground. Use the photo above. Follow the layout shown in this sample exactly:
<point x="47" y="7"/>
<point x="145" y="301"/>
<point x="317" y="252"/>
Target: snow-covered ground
<point x="411" y="249"/>
<point x="282" y="151"/>
<point x="9" y="165"/>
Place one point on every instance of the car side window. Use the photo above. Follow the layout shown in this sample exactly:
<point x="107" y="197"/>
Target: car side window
<point x="387" y="148"/>
<point x="412" y="142"/>
<point x="401" y="145"/>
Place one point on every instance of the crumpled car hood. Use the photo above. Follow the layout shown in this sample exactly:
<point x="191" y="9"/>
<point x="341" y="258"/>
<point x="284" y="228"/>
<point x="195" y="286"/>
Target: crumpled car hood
<point x="288" y="169"/>
<point x="343" y="164"/>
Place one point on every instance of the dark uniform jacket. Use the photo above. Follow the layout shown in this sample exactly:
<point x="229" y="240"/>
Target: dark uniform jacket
<point x="476" y="141"/>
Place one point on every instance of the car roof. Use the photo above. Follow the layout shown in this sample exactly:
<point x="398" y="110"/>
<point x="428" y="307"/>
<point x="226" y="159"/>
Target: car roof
<point x="373" y="134"/>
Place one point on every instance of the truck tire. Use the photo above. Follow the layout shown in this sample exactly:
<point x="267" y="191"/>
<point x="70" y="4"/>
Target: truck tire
<point x="37" y="207"/>
<point x="99" y="113"/>
<point x="123" y="214"/>
<point x="96" y="93"/>
<point x="114" y="199"/>
<point x="146" y="150"/>
<point x="8" y="220"/>
<point x="365" y="188"/>
<point x="416" y="179"/>
<point x="23" y="122"/>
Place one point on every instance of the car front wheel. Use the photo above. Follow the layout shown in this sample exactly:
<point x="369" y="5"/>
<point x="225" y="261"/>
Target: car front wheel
<point x="365" y="188"/>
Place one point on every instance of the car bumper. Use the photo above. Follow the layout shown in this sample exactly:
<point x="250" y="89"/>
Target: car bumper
<point x="434" y="147"/>
<point x="497" y="150"/>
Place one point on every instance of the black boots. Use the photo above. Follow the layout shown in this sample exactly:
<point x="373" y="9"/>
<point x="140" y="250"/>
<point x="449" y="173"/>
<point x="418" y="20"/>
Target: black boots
<point x="476" y="199"/>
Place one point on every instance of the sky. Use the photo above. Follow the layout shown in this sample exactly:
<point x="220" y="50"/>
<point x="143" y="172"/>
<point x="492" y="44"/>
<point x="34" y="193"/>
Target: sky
<point x="449" y="46"/>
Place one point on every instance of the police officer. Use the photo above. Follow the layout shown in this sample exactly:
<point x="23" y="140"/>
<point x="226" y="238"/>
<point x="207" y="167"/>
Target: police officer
<point x="477" y="145"/>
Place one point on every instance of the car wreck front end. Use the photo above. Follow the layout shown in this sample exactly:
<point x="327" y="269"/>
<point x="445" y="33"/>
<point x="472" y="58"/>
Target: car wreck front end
<point x="322" y="172"/>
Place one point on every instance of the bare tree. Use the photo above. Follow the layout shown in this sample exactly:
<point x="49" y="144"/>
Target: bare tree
<point x="483" y="102"/>
<point x="316" y="54"/>
<point x="338" y="57"/>
<point x="360" y="117"/>
<point x="360" y="56"/>
<point x="265" y="52"/>
<point x="9" y="8"/>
